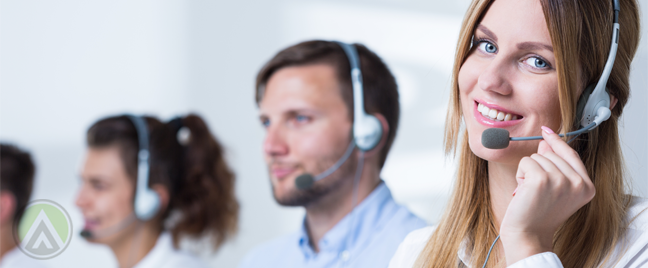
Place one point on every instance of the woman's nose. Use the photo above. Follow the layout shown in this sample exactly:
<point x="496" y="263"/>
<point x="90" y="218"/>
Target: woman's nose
<point x="494" y="77"/>
<point x="81" y="199"/>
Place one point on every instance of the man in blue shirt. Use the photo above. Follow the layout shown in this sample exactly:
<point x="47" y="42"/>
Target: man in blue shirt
<point x="305" y="98"/>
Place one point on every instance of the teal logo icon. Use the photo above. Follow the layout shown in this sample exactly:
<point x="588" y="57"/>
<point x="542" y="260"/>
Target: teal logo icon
<point x="44" y="231"/>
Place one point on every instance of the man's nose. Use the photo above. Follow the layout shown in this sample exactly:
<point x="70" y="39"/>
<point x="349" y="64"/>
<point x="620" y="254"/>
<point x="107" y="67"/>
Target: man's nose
<point x="275" y="142"/>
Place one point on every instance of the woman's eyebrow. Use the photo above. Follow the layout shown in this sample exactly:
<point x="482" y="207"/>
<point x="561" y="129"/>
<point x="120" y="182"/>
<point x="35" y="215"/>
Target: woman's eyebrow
<point x="487" y="32"/>
<point x="534" y="46"/>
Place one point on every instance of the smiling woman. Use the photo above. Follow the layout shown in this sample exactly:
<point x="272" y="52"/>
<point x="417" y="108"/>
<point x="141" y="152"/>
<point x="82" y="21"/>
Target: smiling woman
<point x="522" y="66"/>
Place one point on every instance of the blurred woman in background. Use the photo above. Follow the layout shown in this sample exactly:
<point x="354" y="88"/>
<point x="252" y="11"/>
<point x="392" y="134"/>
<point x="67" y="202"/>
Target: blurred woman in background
<point x="186" y="171"/>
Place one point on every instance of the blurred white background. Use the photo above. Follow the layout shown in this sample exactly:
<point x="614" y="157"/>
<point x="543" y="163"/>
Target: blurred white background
<point x="64" y="64"/>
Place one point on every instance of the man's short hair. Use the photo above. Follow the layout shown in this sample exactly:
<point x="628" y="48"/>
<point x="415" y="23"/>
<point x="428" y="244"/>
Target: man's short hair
<point x="16" y="175"/>
<point x="380" y="89"/>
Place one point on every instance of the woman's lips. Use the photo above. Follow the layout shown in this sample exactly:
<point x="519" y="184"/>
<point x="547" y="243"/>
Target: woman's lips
<point x="486" y="121"/>
<point x="90" y="224"/>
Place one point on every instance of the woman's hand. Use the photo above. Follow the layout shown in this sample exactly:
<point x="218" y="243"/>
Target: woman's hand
<point x="552" y="185"/>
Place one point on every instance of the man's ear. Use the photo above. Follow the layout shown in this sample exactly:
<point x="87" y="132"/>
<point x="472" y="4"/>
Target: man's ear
<point x="383" y="137"/>
<point x="163" y="193"/>
<point x="7" y="207"/>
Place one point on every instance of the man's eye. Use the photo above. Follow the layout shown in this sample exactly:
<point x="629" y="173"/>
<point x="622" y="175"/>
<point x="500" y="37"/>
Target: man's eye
<point x="265" y="122"/>
<point x="98" y="186"/>
<point x="487" y="47"/>
<point x="301" y="118"/>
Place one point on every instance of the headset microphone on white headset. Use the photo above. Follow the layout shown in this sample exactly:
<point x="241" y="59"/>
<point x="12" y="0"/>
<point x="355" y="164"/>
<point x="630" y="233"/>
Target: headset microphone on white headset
<point x="367" y="130"/>
<point x="592" y="109"/>
<point x="147" y="201"/>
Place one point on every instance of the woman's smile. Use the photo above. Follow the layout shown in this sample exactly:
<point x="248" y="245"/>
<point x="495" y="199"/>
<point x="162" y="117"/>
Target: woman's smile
<point x="492" y="115"/>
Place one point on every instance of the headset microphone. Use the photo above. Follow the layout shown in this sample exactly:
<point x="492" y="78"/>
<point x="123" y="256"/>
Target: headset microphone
<point x="307" y="180"/>
<point x="498" y="138"/>
<point x="90" y="234"/>
<point x="367" y="130"/>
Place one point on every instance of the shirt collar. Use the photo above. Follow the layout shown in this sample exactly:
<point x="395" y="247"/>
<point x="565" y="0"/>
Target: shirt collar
<point x="365" y="216"/>
<point x="162" y="249"/>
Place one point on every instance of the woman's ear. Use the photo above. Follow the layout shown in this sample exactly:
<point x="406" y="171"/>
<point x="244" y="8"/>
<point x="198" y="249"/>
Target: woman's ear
<point x="613" y="101"/>
<point x="163" y="193"/>
<point x="383" y="138"/>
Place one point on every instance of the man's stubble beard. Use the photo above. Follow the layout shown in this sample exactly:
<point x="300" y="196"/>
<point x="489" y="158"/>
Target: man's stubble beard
<point x="320" y="189"/>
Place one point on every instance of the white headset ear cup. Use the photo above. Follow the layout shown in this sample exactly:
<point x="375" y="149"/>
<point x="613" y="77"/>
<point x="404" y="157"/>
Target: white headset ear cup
<point x="147" y="204"/>
<point x="594" y="101"/>
<point x="367" y="132"/>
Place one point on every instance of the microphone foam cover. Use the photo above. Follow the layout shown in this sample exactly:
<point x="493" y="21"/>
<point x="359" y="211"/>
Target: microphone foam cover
<point x="304" y="181"/>
<point x="495" y="138"/>
<point x="86" y="234"/>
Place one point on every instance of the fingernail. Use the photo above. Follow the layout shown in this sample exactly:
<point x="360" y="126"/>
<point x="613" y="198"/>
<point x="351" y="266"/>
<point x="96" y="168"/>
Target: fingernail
<point x="515" y="191"/>
<point x="546" y="129"/>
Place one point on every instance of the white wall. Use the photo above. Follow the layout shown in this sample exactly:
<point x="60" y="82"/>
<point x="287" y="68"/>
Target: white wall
<point x="66" y="63"/>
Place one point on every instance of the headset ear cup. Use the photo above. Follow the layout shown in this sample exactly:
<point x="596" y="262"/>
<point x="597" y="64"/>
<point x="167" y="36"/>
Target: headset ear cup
<point x="147" y="204"/>
<point x="582" y="101"/>
<point x="367" y="132"/>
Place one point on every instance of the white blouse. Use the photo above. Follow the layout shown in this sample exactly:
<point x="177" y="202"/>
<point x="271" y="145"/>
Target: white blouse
<point x="630" y="252"/>
<point x="164" y="255"/>
<point x="17" y="259"/>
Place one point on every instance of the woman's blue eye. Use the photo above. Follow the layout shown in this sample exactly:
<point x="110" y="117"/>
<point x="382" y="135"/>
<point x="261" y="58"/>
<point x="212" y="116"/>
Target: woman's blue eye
<point x="265" y="122"/>
<point x="537" y="62"/>
<point x="488" y="47"/>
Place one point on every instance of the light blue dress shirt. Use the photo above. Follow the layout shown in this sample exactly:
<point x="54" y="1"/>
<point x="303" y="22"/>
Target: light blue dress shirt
<point x="368" y="239"/>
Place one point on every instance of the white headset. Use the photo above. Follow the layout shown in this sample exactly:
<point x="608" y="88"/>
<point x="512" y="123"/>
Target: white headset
<point x="147" y="201"/>
<point x="595" y="101"/>
<point x="367" y="129"/>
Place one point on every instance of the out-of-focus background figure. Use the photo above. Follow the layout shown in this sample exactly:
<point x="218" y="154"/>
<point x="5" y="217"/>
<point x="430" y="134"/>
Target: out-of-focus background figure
<point x="65" y="63"/>
<point x="330" y="111"/>
<point x="147" y="184"/>
<point x="17" y="171"/>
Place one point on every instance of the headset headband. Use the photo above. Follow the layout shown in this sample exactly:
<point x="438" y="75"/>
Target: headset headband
<point x="147" y="201"/>
<point x="367" y="130"/>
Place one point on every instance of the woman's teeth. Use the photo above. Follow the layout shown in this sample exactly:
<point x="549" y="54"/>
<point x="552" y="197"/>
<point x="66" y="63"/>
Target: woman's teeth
<point x="495" y="114"/>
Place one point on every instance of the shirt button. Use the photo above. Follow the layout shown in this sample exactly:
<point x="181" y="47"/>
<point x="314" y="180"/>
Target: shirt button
<point x="345" y="255"/>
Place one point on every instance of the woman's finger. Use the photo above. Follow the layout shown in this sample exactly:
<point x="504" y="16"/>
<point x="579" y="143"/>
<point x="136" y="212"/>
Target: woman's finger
<point x="544" y="147"/>
<point x="562" y="149"/>
<point x="547" y="165"/>
<point x="526" y="167"/>
<point x="565" y="168"/>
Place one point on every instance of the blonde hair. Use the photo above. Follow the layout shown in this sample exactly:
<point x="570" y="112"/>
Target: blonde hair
<point x="580" y="34"/>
